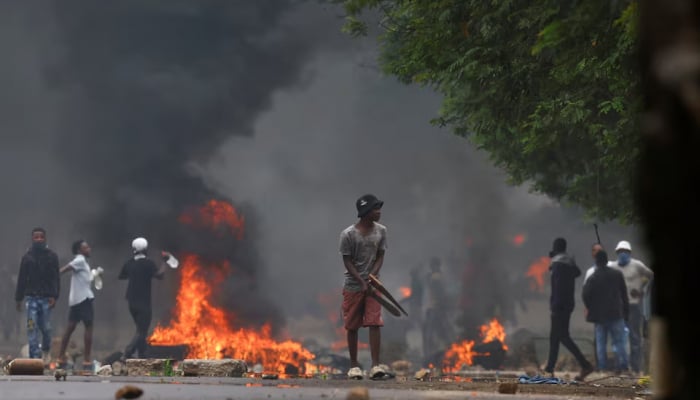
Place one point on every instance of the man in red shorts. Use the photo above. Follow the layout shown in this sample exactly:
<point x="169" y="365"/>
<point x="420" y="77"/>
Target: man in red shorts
<point x="362" y="246"/>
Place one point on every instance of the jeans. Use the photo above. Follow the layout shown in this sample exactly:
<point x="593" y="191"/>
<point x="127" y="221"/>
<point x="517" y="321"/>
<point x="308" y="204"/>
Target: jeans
<point x="618" y="335"/>
<point x="635" y="327"/>
<point x="142" y="319"/>
<point x="559" y="333"/>
<point x="38" y="320"/>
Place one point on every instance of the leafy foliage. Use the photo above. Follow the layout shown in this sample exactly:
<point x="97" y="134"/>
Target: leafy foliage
<point x="548" y="88"/>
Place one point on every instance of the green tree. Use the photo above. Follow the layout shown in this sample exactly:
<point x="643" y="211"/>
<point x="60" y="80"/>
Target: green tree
<point x="548" y="88"/>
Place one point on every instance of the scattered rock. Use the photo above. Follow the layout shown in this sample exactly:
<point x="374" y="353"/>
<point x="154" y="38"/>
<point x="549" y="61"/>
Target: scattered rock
<point x="105" y="370"/>
<point x="118" y="368"/>
<point x="401" y="367"/>
<point x="145" y="367"/>
<point x="508" y="388"/>
<point x="60" y="374"/>
<point x="128" y="392"/>
<point x="358" y="393"/>
<point x="226" y="367"/>
<point x="422" y="374"/>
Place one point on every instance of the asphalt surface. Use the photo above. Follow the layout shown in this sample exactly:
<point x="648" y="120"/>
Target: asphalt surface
<point x="93" y="388"/>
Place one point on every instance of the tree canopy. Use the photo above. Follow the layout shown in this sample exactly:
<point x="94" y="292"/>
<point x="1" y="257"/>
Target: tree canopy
<point x="548" y="88"/>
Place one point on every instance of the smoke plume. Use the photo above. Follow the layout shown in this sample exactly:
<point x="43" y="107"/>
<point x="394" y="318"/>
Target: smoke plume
<point x="106" y="107"/>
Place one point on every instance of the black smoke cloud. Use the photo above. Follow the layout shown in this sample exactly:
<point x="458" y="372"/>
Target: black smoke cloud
<point x="161" y="84"/>
<point x="108" y="104"/>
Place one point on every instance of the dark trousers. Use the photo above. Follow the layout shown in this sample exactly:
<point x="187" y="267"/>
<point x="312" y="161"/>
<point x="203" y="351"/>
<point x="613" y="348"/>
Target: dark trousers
<point x="634" y="324"/>
<point x="559" y="333"/>
<point x="142" y="319"/>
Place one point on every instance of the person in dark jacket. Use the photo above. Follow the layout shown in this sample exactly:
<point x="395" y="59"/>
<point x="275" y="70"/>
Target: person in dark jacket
<point x="140" y="271"/>
<point x="38" y="285"/>
<point x="605" y="297"/>
<point x="564" y="272"/>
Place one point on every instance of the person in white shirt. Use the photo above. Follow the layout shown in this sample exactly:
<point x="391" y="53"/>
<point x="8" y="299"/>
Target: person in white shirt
<point x="637" y="276"/>
<point x="80" y="301"/>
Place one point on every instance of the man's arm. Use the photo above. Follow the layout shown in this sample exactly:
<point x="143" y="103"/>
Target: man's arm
<point x="577" y="271"/>
<point x="160" y="272"/>
<point x="554" y="296"/>
<point x="378" y="262"/>
<point x="56" y="280"/>
<point x="65" y="269"/>
<point x="379" y="259"/>
<point x="645" y="271"/>
<point x="586" y="293"/>
<point x="347" y="261"/>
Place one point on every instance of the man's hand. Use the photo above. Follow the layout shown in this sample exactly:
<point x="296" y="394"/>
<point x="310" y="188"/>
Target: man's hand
<point x="52" y="302"/>
<point x="365" y="286"/>
<point x="19" y="306"/>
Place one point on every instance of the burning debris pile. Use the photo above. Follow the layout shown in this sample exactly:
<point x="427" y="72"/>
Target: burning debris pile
<point x="209" y="330"/>
<point x="490" y="352"/>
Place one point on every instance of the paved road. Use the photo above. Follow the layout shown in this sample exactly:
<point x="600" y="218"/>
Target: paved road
<point x="94" y="388"/>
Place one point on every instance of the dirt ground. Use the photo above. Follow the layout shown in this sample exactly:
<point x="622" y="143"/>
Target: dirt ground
<point x="597" y="385"/>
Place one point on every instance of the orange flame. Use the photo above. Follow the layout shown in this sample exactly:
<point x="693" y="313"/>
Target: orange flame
<point x="462" y="353"/>
<point x="405" y="291"/>
<point x="314" y="369"/>
<point x="215" y="215"/>
<point x="205" y="328"/>
<point x="493" y="331"/>
<point x="458" y="355"/>
<point x="537" y="271"/>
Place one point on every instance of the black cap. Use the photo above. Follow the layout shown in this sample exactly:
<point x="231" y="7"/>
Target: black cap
<point x="558" y="247"/>
<point x="366" y="204"/>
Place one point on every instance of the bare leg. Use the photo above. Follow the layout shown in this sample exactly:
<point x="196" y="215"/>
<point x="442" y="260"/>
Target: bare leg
<point x="64" y="341"/>
<point x="352" y="347"/>
<point x="88" y="343"/>
<point x="375" y="339"/>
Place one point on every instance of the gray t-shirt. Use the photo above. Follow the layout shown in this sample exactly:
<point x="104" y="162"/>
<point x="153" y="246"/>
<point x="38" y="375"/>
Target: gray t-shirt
<point x="362" y="250"/>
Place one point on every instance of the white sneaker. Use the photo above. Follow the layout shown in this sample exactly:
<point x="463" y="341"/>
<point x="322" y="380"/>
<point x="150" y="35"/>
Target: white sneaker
<point x="377" y="372"/>
<point x="355" y="373"/>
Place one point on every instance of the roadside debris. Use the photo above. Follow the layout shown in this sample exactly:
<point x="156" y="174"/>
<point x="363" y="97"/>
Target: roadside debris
<point x="60" y="374"/>
<point x="537" y="379"/>
<point x="105" y="370"/>
<point x="25" y="366"/>
<point x="422" y="374"/>
<point x="128" y="392"/>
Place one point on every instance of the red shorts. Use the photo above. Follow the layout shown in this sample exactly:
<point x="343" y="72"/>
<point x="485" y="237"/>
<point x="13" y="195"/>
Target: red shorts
<point x="360" y="310"/>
